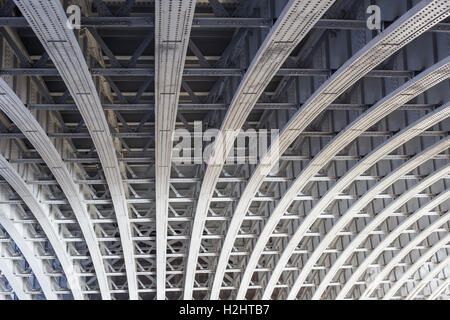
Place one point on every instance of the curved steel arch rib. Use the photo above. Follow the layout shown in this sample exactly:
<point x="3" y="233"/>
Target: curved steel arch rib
<point x="417" y="265"/>
<point x="393" y="101"/>
<point x="344" y="182"/>
<point x="48" y="21"/>
<point x="318" y="253"/>
<point x="16" y="283"/>
<point x="172" y="29"/>
<point x="429" y="277"/>
<point x="444" y="285"/>
<point x="384" y="214"/>
<point x="13" y="107"/>
<point x="27" y="249"/>
<point x="405" y="29"/>
<point x="42" y="215"/>
<point x="412" y="244"/>
<point x="6" y="292"/>
<point x="386" y="241"/>
<point x="347" y="216"/>
<point x="296" y="20"/>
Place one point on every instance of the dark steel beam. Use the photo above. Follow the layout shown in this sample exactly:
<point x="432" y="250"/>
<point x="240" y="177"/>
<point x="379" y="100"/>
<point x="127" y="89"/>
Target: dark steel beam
<point x="218" y="106"/>
<point x="202" y="72"/>
<point x="217" y="22"/>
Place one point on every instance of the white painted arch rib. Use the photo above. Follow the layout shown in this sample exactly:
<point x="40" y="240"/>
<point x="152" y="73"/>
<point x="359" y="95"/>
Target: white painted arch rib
<point x="13" y="107"/>
<point x="414" y="162"/>
<point x="26" y="247"/>
<point x="172" y="29"/>
<point x="405" y="29"/>
<point x="376" y="155"/>
<point x="42" y="214"/>
<point x="418" y="264"/>
<point x="17" y="283"/>
<point x="295" y="21"/>
<point x="393" y="101"/>
<point x="444" y="196"/>
<point x="442" y="287"/>
<point x="384" y="214"/>
<point x="428" y="278"/>
<point x="385" y="242"/>
<point x="320" y="250"/>
<point x="6" y="292"/>
<point x="48" y="21"/>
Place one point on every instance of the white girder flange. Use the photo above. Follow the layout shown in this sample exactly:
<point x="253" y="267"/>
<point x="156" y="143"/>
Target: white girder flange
<point x="364" y="265"/>
<point x="417" y="264"/>
<point x="374" y="156"/>
<point x="321" y="248"/>
<point x="391" y="102"/>
<point x="42" y="213"/>
<point x="6" y="292"/>
<point x="17" y="283"/>
<point x="18" y="235"/>
<point x="428" y="278"/>
<point x="370" y="288"/>
<point x="392" y="177"/>
<point x="173" y="21"/>
<point x="384" y="214"/>
<point x="295" y="21"/>
<point x="49" y="22"/>
<point x="13" y="107"/>
<point x="442" y="287"/>
<point x="404" y="30"/>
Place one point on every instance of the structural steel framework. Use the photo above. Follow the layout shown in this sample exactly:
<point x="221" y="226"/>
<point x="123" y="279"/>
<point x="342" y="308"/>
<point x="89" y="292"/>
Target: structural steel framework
<point x="224" y="149"/>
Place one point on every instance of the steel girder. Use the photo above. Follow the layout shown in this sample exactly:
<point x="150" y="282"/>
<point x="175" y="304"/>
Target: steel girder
<point x="442" y="287"/>
<point x="132" y="95"/>
<point x="387" y="147"/>
<point x="361" y="203"/>
<point x="425" y="80"/>
<point x="221" y="107"/>
<point x="17" y="270"/>
<point x="291" y="27"/>
<point x="429" y="277"/>
<point x="62" y="47"/>
<point x="383" y="215"/>
<point x="207" y="22"/>
<point x="201" y="72"/>
<point x="374" y="254"/>
<point x="315" y="256"/>
<point x="404" y="30"/>
<point x="172" y="31"/>
<point x="6" y="292"/>
<point x="12" y="106"/>
<point x="411" y="245"/>
<point x="419" y="263"/>
<point x="28" y="249"/>
<point x="17" y="284"/>
<point x="42" y="213"/>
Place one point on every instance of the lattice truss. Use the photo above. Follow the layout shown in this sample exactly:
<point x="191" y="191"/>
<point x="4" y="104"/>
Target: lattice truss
<point x="98" y="202"/>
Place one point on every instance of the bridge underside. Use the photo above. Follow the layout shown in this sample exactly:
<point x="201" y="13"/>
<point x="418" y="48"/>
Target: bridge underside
<point x="117" y="39"/>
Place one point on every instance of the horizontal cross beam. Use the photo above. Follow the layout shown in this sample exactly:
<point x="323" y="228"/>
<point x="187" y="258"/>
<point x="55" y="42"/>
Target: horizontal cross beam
<point x="218" y="106"/>
<point x="205" y="22"/>
<point x="201" y="72"/>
